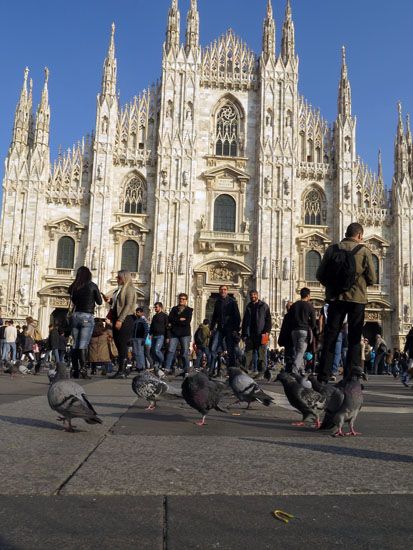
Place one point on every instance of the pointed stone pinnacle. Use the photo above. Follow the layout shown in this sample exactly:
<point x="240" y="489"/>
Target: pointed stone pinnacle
<point x="46" y="75"/>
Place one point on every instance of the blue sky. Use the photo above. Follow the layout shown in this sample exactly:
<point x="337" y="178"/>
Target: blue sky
<point x="71" y="39"/>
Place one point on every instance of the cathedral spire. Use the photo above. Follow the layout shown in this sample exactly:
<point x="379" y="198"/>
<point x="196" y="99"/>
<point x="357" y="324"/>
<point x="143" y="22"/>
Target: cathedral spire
<point x="192" y="27"/>
<point x="21" y="127"/>
<point x="380" y="167"/>
<point x="344" y="90"/>
<point x="288" y="36"/>
<point x="110" y="68"/>
<point x="268" y="39"/>
<point x="172" y="32"/>
<point x="408" y="131"/>
<point x="400" y="149"/>
<point x="41" y="136"/>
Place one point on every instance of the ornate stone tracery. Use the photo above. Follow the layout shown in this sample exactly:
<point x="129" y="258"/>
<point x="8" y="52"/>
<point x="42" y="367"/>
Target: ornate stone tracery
<point x="229" y="62"/>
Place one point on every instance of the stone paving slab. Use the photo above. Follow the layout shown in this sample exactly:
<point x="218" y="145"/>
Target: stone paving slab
<point x="37" y="456"/>
<point x="179" y="465"/>
<point x="49" y="523"/>
<point x="228" y="523"/>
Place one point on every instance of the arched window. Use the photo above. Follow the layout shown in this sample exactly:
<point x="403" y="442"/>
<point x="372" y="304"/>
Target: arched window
<point x="312" y="262"/>
<point x="224" y="214"/>
<point x="134" y="198"/>
<point x="376" y="263"/>
<point x="227" y="131"/>
<point x="65" y="253"/>
<point x="130" y="256"/>
<point x="312" y="208"/>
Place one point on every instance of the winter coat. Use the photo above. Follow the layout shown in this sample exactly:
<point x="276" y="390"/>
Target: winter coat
<point x="226" y="316"/>
<point x="365" y="273"/>
<point x="179" y="328"/>
<point x="99" y="349"/>
<point x="53" y="339"/>
<point x="204" y="334"/>
<point x="263" y="321"/>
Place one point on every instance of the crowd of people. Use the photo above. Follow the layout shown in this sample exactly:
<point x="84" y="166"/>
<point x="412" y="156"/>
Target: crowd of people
<point x="329" y="342"/>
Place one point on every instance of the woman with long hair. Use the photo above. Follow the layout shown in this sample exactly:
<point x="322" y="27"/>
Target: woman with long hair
<point x="123" y="306"/>
<point x="84" y="295"/>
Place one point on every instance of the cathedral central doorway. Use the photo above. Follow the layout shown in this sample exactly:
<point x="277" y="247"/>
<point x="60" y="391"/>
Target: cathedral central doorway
<point x="370" y="330"/>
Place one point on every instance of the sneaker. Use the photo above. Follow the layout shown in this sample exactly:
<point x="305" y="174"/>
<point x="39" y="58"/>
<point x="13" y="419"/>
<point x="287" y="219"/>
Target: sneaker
<point x="332" y="379"/>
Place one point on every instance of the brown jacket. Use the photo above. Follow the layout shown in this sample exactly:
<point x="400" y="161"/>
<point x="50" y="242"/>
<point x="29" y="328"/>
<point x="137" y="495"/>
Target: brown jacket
<point x="365" y="272"/>
<point x="101" y="349"/>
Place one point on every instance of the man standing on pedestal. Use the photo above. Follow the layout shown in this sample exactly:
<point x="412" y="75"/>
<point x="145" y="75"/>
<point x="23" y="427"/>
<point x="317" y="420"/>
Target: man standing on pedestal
<point x="346" y="271"/>
<point x="256" y="328"/>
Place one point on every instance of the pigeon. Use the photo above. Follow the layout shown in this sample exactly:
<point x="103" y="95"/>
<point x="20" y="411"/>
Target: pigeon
<point x="307" y="401"/>
<point x="202" y="394"/>
<point x="151" y="388"/>
<point x="246" y="389"/>
<point x="51" y="374"/>
<point x="69" y="400"/>
<point x="324" y="389"/>
<point x="302" y="379"/>
<point x="12" y="368"/>
<point x="345" y="404"/>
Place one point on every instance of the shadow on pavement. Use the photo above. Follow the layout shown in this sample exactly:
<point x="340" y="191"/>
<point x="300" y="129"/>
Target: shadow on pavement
<point x="337" y="450"/>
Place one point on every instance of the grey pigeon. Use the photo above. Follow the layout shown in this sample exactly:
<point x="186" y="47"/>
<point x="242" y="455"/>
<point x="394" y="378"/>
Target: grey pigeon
<point x="307" y="401"/>
<point x="202" y="394"/>
<point x="303" y="380"/>
<point x="345" y="404"/>
<point x="324" y="389"/>
<point x="151" y="388"/>
<point x="246" y="389"/>
<point x="12" y="368"/>
<point x="69" y="400"/>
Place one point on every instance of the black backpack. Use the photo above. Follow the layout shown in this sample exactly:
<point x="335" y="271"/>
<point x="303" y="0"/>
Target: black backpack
<point x="2" y="330"/>
<point x="340" y="271"/>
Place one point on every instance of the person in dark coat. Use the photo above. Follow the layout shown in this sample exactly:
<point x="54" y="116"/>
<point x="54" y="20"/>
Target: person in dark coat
<point x="256" y="328"/>
<point x="284" y="338"/>
<point x="84" y="295"/>
<point x="180" y="318"/>
<point x="225" y="325"/>
<point x="158" y="331"/>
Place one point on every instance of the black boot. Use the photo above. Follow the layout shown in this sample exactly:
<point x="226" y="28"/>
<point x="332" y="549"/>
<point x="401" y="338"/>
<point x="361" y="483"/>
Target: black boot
<point x="75" y="363"/>
<point x="82" y="364"/>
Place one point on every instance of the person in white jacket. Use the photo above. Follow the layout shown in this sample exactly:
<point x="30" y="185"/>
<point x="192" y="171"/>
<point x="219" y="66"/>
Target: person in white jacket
<point x="10" y="337"/>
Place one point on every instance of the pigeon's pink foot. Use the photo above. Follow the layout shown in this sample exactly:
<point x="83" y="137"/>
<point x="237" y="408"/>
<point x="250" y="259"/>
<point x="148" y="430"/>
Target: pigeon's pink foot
<point x="352" y="432"/>
<point x="317" y="424"/>
<point x="339" y="433"/>
<point x="151" y="407"/>
<point x="201" y="422"/>
<point x="300" y="424"/>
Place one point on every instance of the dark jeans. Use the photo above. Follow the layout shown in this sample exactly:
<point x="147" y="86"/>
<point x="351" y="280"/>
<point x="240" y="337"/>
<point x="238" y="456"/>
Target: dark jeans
<point x="199" y="353"/>
<point x="122" y="337"/>
<point x="218" y="343"/>
<point x="337" y="312"/>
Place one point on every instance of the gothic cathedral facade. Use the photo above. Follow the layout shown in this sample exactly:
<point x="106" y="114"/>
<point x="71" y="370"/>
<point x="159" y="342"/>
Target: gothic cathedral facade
<point x="220" y="173"/>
